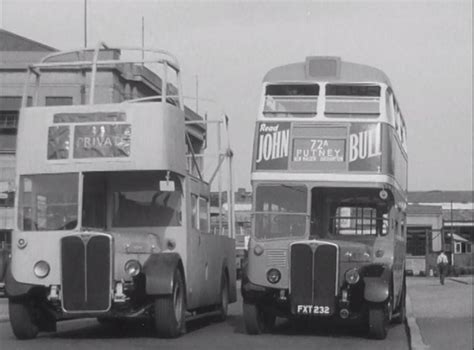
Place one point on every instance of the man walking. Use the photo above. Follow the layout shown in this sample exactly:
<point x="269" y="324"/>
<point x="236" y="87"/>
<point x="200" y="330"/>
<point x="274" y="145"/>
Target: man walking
<point x="442" y="262"/>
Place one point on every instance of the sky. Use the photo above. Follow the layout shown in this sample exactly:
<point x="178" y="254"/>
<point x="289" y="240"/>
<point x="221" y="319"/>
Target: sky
<point x="425" y="47"/>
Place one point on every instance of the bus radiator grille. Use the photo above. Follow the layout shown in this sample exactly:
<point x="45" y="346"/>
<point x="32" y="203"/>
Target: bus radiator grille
<point x="276" y="258"/>
<point x="86" y="273"/>
<point x="313" y="275"/>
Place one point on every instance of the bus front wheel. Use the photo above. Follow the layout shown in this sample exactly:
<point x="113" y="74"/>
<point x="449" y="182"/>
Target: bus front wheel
<point x="256" y="319"/>
<point x="378" y="322"/>
<point x="23" y="318"/>
<point x="224" y="299"/>
<point x="170" y="310"/>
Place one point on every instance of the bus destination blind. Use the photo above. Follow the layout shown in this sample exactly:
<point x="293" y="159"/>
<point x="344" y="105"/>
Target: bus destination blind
<point x="318" y="150"/>
<point x="106" y="140"/>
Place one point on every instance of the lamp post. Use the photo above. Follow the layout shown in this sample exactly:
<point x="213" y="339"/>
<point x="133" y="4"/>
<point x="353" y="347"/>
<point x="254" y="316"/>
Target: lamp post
<point x="85" y="23"/>
<point x="452" y="235"/>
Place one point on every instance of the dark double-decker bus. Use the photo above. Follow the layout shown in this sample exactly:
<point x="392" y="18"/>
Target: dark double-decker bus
<point x="329" y="177"/>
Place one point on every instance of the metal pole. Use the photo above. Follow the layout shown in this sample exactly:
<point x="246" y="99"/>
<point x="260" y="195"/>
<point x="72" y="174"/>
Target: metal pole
<point x="452" y="235"/>
<point x="197" y="94"/>
<point x="219" y="183"/>
<point x="85" y="23"/>
<point x="143" y="40"/>
<point x="94" y="72"/>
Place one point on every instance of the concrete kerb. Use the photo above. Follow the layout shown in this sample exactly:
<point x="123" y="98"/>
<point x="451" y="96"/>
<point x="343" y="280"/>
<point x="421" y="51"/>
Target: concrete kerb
<point x="414" y="334"/>
<point x="459" y="280"/>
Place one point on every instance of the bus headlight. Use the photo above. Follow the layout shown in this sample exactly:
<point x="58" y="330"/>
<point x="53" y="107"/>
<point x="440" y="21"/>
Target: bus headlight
<point x="352" y="276"/>
<point x="258" y="250"/>
<point x="41" y="269"/>
<point x="273" y="276"/>
<point x="132" y="267"/>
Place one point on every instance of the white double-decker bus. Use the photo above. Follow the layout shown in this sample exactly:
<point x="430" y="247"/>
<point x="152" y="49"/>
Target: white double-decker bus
<point x="329" y="177"/>
<point x="112" y="206"/>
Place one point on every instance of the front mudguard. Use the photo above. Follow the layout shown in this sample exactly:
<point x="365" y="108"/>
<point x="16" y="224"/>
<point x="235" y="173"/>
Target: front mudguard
<point x="159" y="272"/>
<point x="15" y="289"/>
<point x="377" y="289"/>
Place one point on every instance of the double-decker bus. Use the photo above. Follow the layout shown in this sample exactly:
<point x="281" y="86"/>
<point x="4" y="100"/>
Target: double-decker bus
<point x="329" y="177"/>
<point x="112" y="205"/>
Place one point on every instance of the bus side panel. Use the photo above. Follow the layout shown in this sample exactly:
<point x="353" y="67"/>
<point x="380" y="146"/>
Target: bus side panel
<point x="394" y="161"/>
<point x="219" y="257"/>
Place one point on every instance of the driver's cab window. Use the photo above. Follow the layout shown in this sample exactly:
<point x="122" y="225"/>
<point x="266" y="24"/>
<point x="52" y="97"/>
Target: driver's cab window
<point x="349" y="212"/>
<point x="359" y="220"/>
<point x="200" y="213"/>
<point x="194" y="211"/>
<point x="203" y="215"/>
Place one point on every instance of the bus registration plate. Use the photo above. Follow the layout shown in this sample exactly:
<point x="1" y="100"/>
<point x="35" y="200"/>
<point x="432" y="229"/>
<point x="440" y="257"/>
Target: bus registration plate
<point x="318" y="150"/>
<point x="312" y="310"/>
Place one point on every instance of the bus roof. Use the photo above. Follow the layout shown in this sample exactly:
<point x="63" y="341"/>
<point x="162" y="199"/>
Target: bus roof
<point x="326" y="68"/>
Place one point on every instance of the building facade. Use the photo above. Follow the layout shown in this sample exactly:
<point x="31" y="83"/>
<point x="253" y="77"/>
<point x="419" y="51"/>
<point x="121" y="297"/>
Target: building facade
<point x="440" y="220"/>
<point x="16" y="53"/>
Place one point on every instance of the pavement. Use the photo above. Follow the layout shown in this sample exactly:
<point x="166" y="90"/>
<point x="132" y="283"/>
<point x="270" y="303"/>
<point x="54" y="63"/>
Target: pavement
<point x="440" y="317"/>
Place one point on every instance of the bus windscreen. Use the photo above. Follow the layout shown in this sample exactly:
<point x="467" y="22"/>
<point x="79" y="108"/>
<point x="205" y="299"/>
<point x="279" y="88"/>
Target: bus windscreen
<point x="139" y="202"/>
<point x="48" y="202"/>
<point x="280" y="211"/>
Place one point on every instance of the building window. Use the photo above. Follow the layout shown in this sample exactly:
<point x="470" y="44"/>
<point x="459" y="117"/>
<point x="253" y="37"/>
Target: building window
<point x="7" y="199"/>
<point x="58" y="101"/>
<point x="462" y="247"/>
<point x="8" y="131"/>
<point x="416" y="240"/>
<point x="8" y="120"/>
<point x="5" y="239"/>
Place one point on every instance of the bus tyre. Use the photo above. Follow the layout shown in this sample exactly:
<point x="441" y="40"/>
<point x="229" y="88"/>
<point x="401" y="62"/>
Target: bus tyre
<point x="224" y="299"/>
<point x="378" y="322"/>
<point x="253" y="318"/>
<point x="170" y="310"/>
<point x="269" y="321"/>
<point x="22" y="319"/>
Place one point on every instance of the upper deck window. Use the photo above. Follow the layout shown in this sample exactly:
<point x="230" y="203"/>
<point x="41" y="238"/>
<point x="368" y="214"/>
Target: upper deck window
<point x="389" y="108"/>
<point x="291" y="101"/>
<point x="346" y="101"/>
